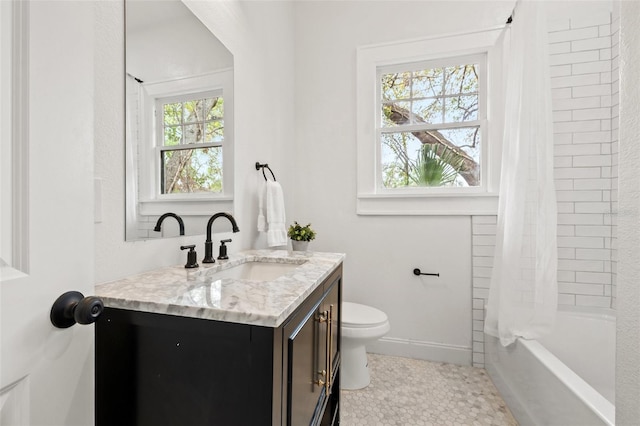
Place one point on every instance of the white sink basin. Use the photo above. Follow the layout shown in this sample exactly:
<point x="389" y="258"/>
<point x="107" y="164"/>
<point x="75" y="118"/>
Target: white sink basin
<point x="255" y="271"/>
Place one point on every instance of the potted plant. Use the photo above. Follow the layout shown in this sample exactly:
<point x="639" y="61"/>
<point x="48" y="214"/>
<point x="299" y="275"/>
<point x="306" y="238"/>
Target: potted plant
<point x="300" y="236"/>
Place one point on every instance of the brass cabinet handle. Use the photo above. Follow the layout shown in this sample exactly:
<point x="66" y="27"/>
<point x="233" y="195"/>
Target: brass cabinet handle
<point x="327" y="373"/>
<point x="329" y="348"/>
<point x="323" y="374"/>
<point x="323" y="317"/>
<point x="327" y="382"/>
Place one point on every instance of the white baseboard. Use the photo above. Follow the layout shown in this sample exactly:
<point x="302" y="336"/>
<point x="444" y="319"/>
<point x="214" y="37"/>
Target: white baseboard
<point x="429" y="351"/>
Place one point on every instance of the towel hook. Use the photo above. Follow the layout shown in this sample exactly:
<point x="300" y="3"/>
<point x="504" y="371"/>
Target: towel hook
<point x="263" y="166"/>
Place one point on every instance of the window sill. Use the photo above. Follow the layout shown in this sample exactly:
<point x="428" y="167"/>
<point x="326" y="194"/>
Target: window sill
<point x="186" y="207"/>
<point x="427" y="204"/>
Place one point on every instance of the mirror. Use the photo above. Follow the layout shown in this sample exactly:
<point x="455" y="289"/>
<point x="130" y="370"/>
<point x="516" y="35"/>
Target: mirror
<point x="179" y="121"/>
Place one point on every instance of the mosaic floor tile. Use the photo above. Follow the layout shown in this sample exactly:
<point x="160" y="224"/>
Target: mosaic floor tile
<point x="410" y="392"/>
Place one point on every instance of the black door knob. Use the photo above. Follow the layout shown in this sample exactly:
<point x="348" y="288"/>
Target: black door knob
<point x="72" y="307"/>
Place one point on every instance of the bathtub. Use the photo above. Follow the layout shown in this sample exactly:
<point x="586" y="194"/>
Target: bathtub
<point x="566" y="378"/>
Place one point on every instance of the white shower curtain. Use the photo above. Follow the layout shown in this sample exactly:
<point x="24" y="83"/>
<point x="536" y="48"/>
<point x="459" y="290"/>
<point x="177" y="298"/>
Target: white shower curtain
<point x="523" y="295"/>
<point x="132" y="89"/>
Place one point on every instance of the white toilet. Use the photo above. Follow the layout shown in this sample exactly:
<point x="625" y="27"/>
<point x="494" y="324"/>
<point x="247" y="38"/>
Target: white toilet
<point x="361" y="324"/>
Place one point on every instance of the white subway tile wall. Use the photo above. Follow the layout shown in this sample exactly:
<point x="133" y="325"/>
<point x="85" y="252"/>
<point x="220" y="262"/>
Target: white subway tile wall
<point x="584" y="81"/>
<point x="483" y="229"/>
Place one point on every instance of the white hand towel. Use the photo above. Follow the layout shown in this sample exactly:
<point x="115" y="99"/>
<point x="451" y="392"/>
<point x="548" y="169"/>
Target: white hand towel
<point x="277" y="233"/>
<point x="262" y="221"/>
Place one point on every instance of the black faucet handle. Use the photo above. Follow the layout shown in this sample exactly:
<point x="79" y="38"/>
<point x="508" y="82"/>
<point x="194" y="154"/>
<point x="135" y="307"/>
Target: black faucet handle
<point x="222" y="254"/>
<point x="192" y="256"/>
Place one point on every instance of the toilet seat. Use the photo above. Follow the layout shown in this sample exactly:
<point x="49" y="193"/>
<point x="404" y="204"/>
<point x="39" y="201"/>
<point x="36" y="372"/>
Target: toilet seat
<point x="355" y="315"/>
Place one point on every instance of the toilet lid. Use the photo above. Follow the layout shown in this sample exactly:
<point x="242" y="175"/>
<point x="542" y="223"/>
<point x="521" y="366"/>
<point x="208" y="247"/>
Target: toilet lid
<point x="357" y="315"/>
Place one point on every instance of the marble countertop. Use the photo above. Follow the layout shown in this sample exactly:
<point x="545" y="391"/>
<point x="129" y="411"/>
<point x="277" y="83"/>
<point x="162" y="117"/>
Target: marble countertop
<point x="198" y="293"/>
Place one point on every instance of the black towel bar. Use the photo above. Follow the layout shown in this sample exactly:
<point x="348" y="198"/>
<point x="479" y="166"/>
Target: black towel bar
<point x="419" y="272"/>
<point x="265" y="166"/>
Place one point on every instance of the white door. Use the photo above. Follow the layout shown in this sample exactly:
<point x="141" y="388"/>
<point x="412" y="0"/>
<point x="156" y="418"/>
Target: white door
<point x="46" y="373"/>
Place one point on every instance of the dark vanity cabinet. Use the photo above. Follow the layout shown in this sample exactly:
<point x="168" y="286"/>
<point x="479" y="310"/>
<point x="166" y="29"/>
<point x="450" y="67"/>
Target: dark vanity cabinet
<point x="157" y="369"/>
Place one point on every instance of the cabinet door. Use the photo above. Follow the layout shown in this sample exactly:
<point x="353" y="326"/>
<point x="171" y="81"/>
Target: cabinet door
<point x="306" y="362"/>
<point x="311" y="355"/>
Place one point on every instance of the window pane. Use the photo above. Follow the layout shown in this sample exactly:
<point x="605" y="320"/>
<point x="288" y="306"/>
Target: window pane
<point x="461" y="108"/>
<point x="396" y="86"/>
<point x="172" y="113"/>
<point x="431" y="158"/>
<point x="397" y="151"/>
<point x="427" y="83"/>
<point x="172" y="135"/>
<point x="461" y="79"/>
<point x="395" y="114"/>
<point x="193" y="133"/>
<point x="193" y="111"/>
<point x="466" y="138"/>
<point x="215" y="131"/>
<point x="428" y="111"/>
<point x="214" y="109"/>
<point x="192" y="170"/>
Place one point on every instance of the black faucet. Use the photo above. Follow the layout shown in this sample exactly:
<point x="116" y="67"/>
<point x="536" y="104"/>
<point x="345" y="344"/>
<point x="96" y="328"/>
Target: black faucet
<point x="208" y="244"/>
<point x="164" y="216"/>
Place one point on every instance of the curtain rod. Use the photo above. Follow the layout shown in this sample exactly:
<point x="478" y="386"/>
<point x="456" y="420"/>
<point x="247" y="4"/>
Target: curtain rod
<point x="513" y="12"/>
<point x="135" y="78"/>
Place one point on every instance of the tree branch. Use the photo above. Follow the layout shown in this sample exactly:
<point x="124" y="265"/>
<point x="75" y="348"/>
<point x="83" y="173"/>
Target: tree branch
<point x="469" y="170"/>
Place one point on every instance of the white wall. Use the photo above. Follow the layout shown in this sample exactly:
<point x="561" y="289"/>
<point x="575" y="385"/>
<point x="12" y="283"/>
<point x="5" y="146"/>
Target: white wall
<point x="260" y="36"/>
<point x="161" y="51"/>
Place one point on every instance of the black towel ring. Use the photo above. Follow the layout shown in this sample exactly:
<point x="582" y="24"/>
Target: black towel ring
<point x="265" y="166"/>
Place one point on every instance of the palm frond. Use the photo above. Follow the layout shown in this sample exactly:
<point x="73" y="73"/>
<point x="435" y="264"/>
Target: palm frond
<point x="436" y="166"/>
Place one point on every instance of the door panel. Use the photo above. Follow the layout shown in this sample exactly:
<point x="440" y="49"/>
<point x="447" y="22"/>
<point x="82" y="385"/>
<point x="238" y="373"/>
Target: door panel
<point x="46" y="374"/>
<point x="304" y="367"/>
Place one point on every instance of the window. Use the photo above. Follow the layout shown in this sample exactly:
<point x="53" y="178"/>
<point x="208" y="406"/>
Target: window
<point x="191" y="138"/>
<point x="429" y="129"/>
<point x="431" y="123"/>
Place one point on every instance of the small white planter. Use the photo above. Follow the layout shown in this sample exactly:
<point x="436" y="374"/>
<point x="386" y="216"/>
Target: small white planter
<point x="299" y="245"/>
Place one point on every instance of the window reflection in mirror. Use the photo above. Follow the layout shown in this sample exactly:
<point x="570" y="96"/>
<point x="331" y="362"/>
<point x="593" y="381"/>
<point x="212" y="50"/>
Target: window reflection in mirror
<point x="179" y="120"/>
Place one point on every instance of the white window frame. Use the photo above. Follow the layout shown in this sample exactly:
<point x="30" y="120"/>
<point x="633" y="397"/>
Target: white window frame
<point x="152" y="202"/>
<point x="372" y="197"/>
